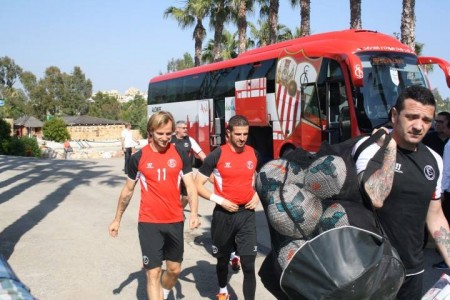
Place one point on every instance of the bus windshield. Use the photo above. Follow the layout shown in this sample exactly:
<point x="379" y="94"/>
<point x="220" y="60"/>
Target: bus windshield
<point x="385" y="76"/>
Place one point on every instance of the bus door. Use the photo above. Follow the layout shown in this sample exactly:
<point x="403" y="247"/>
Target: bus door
<point x="338" y="115"/>
<point x="219" y="109"/>
<point x="334" y="105"/>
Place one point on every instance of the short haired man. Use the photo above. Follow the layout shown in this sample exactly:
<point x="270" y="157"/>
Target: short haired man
<point x="187" y="143"/>
<point x="437" y="139"/>
<point x="445" y="187"/>
<point x="159" y="166"/>
<point x="446" y="174"/>
<point x="128" y="145"/>
<point x="406" y="191"/>
<point x="233" y="223"/>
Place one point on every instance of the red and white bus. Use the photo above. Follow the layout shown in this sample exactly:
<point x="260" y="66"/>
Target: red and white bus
<point x="297" y="93"/>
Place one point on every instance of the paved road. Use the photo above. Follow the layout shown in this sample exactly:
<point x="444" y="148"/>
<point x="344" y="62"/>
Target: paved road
<point x="53" y="231"/>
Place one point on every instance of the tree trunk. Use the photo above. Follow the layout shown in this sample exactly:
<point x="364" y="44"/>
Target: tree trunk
<point x="199" y="35"/>
<point x="242" y="26"/>
<point x="408" y="25"/>
<point x="217" y="50"/>
<point x="218" y="31"/>
<point x="355" y="14"/>
<point x="273" y="21"/>
<point x="305" y="13"/>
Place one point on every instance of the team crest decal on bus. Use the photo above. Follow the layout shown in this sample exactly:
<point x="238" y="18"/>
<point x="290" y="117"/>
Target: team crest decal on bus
<point x="294" y="73"/>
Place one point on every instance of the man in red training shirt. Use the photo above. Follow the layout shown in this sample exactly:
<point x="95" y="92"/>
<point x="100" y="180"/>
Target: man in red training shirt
<point x="233" y="166"/>
<point x="159" y="167"/>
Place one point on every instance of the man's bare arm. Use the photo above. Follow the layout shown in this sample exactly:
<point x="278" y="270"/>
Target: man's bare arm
<point x="191" y="189"/>
<point x="124" y="199"/>
<point x="378" y="186"/>
<point x="438" y="226"/>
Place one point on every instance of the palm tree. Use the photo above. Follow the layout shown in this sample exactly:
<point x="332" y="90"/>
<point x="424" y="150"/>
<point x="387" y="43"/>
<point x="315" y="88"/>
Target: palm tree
<point x="261" y="35"/>
<point x="305" y="15"/>
<point x="274" y="6"/>
<point x="239" y="14"/>
<point x="269" y="12"/>
<point x="193" y="13"/>
<point x="418" y="48"/>
<point x="355" y="14"/>
<point x="220" y="13"/>
<point x="228" y="47"/>
<point x="408" y="24"/>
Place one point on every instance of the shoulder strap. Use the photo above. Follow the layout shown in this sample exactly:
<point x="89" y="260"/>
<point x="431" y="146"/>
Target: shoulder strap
<point x="369" y="141"/>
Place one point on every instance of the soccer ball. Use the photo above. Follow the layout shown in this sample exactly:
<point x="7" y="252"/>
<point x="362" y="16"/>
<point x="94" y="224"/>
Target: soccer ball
<point x="326" y="176"/>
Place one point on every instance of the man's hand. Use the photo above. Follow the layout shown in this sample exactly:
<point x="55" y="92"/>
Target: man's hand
<point x="194" y="221"/>
<point x="114" y="228"/>
<point x="381" y="139"/>
<point x="252" y="204"/>
<point x="230" y="206"/>
<point x="226" y="204"/>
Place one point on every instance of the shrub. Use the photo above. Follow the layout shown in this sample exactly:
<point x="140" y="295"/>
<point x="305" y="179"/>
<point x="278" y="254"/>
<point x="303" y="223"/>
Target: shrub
<point x="55" y="130"/>
<point x="16" y="147"/>
<point x="143" y="127"/>
<point x="5" y="136"/>
<point x="25" y="146"/>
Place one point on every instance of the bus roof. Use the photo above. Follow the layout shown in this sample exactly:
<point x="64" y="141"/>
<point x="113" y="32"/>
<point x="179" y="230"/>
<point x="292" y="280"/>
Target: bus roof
<point x="324" y="44"/>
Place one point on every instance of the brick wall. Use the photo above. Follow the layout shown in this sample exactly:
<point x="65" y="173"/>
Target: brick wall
<point x="99" y="132"/>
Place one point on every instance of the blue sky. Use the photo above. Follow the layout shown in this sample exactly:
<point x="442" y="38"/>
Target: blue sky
<point x="121" y="44"/>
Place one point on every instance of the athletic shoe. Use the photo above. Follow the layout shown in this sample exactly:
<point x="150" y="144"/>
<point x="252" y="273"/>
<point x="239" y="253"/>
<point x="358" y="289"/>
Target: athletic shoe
<point x="440" y="266"/>
<point x="223" y="296"/>
<point x="235" y="264"/>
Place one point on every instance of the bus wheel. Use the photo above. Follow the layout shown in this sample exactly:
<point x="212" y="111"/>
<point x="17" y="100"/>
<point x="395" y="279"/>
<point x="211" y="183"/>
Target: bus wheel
<point x="286" y="150"/>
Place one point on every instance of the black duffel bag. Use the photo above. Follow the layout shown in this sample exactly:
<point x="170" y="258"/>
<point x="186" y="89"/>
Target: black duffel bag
<point x="344" y="263"/>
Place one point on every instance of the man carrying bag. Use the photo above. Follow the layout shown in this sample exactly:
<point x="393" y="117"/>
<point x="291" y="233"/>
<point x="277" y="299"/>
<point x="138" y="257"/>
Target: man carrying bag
<point x="325" y="235"/>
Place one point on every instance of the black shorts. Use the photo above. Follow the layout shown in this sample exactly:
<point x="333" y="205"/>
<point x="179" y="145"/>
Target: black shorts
<point x="411" y="288"/>
<point x="237" y="228"/>
<point x="160" y="242"/>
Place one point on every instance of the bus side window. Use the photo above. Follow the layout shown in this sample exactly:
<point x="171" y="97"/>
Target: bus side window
<point x="157" y="92"/>
<point x="311" y="110"/>
<point x="192" y="87"/>
<point x="225" y="80"/>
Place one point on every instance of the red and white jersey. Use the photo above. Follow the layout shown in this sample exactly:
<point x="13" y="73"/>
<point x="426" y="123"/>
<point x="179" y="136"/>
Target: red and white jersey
<point x="159" y="175"/>
<point x="233" y="173"/>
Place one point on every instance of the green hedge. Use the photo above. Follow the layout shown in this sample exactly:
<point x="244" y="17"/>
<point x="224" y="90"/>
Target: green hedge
<point x="24" y="146"/>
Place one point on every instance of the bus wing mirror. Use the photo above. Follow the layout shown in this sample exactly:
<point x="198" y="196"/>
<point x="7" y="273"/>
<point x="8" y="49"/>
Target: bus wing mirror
<point x="443" y="64"/>
<point x="355" y="66"/>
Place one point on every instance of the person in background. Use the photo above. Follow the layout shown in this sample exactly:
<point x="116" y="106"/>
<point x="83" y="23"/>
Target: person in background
<point x="234" y="166"/>
<point x="187" y="143"/>
<point x="446" y="175"/>
<point x="437" y="139"/>
<point x="67" y="149"/>
<point x="128" y="145"/>
<point x="445" y="187"/>
<point x="406" y="191"/>
<point x="158" y="167"/>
